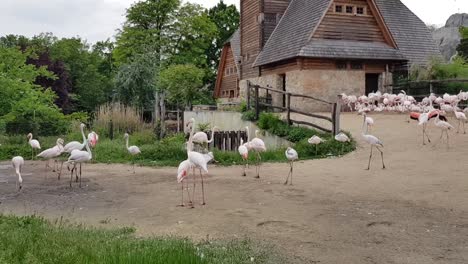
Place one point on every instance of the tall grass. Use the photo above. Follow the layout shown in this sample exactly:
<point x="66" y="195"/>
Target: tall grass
<point x="34" y="240"/>
<point x="124" y="118"/>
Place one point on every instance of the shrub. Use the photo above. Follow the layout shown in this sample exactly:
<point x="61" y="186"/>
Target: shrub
<point x="124" y="118"/>
<point x="248" y="115"/>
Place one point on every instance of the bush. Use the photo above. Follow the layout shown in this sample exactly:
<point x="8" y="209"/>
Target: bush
<point x="248" y="116"/>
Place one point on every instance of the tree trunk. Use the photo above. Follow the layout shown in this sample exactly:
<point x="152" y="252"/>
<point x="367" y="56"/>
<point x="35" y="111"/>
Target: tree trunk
<point x="162" y="104"/>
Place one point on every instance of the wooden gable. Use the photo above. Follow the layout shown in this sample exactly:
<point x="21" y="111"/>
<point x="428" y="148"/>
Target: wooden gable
<point x="357" y="20"/>
<point x="227" y="79"/>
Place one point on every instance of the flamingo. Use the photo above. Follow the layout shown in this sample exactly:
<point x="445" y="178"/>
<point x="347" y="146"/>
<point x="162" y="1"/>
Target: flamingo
<point x="461" y="117"/>
<point x="443" y="126"/>
<point x="369" y="121"/>
<point x="52" y="153"/>
<point x="201" y="138"/>
<point x="244" y="152"/>
<point x="93" y="139"/>
<point x="79" y="156"/>
<point x="374" y="142"/>
<point x="291" y="155"/>
<point x="197" y="159"/>
<point x="257" y="145"/>
<point x="34" y="143"/>
<point x="17" y="163"/>
<point x="133" y="150"/>
<point x="182" y="174"/>
<point x="75" y="145"/>
<point x="315" y="140"/>
<point x="343" y="138"/>
<point x="423" y="120"/>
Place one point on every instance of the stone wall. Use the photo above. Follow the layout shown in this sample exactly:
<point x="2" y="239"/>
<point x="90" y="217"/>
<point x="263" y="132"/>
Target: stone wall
<point x="323" y="84"/>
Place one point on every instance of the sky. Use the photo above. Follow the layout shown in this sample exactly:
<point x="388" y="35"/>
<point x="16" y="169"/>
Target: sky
<point x="97" y="20"/>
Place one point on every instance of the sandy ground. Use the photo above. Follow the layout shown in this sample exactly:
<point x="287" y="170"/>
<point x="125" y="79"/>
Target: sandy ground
<point x="415" y="211"/>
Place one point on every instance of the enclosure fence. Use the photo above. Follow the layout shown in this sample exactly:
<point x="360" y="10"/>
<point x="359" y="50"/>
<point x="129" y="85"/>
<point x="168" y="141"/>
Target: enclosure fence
<point x="255" y="101"/>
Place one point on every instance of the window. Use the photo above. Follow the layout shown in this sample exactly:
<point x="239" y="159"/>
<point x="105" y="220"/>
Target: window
<point x="339" y="9"/>
<point x="356" y="65"/>
<point x="341" y="65"/>
<point x="360" y="10"/>
<point x="349" y="9"/>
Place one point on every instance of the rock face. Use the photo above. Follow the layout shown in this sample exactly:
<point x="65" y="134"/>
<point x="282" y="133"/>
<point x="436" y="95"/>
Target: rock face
<point x="448" y="37"/>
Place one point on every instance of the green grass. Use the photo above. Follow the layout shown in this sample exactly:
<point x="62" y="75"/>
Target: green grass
<point x="34" y="240"/>
<point x="170" y="151"/>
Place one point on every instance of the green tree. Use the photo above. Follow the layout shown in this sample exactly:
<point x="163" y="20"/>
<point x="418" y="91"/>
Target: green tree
<point x="226" y="18"/>
<point x="183" y="83"/>
<point x="24" y="106"/>
<point x="462" y="49"/>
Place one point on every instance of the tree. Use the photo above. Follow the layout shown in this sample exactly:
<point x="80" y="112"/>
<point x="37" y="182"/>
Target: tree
<point x="24" y="106"/>
<point x="226" y="18"/>
<point x="462" y="49"/>
<point x="183" y="83"/>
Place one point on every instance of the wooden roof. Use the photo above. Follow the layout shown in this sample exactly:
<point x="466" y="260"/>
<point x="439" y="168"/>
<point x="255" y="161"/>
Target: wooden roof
<point x="292" y="36"/>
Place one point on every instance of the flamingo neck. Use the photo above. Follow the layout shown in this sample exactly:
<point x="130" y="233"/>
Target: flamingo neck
<point x="364" y="132"/>
<point x="190" y="142"/>
<point x="89" y="150"/>
<point x="212" y="135"/>
<point x="30" y="136"/>
<point x="248" y="134"/>
<point x="126" y="142"/>
<point x="82" y="134"/>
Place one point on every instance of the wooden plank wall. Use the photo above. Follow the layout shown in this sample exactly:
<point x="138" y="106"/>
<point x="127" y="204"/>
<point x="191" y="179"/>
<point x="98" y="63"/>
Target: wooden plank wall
<point x="250" y="37"/>
<point x="342" y="26"/>
<point x="229" y="82"/>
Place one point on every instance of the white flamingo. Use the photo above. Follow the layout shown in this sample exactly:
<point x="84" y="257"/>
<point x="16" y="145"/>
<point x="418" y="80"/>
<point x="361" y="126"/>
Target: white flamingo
<point x="369" y="121"/>
<point x="257" y="145"/>
<point x="291" y="155"/>
<point x="201" y="138"/>
<point x="182" y="174"/>
<point x="52" y="153"/>
<point x="75" y="145"/>
<point x="374" y="142"/>
<point x="461" y="117"/>
<point x="423" y="120"/>
<point x="17" y="163"/>
<point x="79" y="157"/>
<point x="315" y="140"/>
<point x="343" y="138"/>
<point x="34" y="143"/>
<point x="197" y="159"/>
<point x="133" y="150"/>
<point x="443" y="126"/>
<point x="244" y="152"/>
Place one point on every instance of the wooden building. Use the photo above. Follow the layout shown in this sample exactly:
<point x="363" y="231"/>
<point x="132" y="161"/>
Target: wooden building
<point x="227" y="82"/>
<point x="327" y="47"/>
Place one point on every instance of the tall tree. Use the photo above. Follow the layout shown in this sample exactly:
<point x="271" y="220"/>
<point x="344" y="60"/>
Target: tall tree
<point x="226" y="19"/>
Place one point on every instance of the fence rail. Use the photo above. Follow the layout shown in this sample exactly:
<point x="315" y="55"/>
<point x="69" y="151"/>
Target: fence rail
<point x="254" y="99"/>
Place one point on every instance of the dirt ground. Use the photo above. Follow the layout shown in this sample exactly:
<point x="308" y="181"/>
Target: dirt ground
<point x="415" y="211"/>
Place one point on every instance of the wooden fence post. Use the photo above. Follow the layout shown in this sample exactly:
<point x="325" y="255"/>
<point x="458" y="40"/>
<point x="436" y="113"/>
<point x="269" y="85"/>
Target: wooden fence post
<point x="288" y="107"/>
<point x="336" y="115"/>
<point x="430" y="87"/>
<point x="257" y="103"/>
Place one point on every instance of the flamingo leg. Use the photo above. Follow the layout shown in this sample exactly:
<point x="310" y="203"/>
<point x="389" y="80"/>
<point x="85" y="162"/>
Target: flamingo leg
<point x="182" y="202"/>
<point x="292" y="168"/>
<point x="76" y="174"/>
<point x="259" y="158"/>
<point x="203" y="188"/>
<point x="289" y="174"/>
<point x="425" y="127"/>
<point x="381" y="154"/>
<point x="32" y="153"/>
<point x="446" y="132"/>
<point x="370" y="157"/>
<point x="316" y="147"/>
<point x="193" y="191"/>
<point x="464" y="131"/>
<point x="71" y="174"/>
<point x="60" y="172"/>
<point x="458" y="127"/>
<point x="244" y="174"/>
<point x="80" y="175"/>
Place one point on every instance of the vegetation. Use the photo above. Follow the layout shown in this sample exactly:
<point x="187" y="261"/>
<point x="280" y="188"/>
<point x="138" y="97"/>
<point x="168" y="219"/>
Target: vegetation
<point x="34" y="240"/>
<point x="462" y="49"/>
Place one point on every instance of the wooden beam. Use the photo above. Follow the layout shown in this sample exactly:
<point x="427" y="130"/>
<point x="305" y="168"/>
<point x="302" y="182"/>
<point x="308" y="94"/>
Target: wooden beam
<point x="312" y="125"/>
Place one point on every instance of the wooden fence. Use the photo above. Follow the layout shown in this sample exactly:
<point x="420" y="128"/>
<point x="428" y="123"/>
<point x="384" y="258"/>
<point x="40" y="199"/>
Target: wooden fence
<point x="423" y="88"/>
<point x="255" y="101"/>
<point x="226" y="140"/>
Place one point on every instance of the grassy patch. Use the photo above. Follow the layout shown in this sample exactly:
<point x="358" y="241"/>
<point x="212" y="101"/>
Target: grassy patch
<point x="34" y="240"/>
<point x="171" y="150"/>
